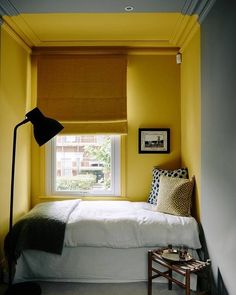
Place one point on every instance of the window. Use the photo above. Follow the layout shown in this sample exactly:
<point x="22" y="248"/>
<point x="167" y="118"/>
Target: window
<point x="83" y="165"/>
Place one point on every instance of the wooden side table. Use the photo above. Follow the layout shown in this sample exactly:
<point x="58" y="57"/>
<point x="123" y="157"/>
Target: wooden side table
<point x="183" y="268"/>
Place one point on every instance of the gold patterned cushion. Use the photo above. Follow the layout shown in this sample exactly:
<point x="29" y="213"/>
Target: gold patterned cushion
<point x="175" y="195"/>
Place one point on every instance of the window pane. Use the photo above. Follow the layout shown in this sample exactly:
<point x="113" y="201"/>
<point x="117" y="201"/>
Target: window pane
<point x="83" y="163"/>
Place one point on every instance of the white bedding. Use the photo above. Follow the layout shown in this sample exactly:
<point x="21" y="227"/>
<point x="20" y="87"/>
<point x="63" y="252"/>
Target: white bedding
<point x="124" y="224"/>
<point x="108" y="241"/>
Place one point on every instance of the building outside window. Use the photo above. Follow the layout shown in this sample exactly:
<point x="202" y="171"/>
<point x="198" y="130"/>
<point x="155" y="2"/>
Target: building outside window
<point x="84" y="165"/>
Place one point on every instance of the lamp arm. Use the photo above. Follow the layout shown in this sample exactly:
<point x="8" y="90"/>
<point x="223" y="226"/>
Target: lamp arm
<point x="12" y="191"/>
<point x="13" y="171"/>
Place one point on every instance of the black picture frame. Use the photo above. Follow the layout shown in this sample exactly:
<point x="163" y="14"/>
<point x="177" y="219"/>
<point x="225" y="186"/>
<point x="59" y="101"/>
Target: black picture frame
<point x="154" y="140"/>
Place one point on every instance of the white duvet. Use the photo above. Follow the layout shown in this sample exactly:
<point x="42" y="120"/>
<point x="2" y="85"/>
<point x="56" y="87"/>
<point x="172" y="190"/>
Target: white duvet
<point x="124" y="224"/>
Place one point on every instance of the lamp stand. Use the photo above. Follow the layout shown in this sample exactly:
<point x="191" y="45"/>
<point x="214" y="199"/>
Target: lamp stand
<point x="25" y="288"/>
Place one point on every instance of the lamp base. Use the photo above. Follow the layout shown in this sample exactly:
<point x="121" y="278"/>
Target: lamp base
<point x="25" y="288"/>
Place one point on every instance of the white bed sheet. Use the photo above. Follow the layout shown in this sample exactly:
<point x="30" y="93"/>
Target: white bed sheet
<point x="124" y="224"/>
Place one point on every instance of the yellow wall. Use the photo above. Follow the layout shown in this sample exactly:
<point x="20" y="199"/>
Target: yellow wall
<point x="190" y="114"/>
<point x="153" y="100"/>
<point x="14" y="90"/>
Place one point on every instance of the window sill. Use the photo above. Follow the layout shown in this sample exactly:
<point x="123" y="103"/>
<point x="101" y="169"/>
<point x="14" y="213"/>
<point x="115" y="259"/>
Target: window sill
<point x="85" y="198"/>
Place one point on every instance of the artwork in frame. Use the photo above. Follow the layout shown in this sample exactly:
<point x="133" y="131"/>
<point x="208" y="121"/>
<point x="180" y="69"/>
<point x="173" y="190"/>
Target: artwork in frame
<point x="154" y="140"/>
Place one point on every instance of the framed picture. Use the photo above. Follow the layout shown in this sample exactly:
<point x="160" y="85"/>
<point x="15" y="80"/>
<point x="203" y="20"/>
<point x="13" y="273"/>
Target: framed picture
<point x="154" y="140"/>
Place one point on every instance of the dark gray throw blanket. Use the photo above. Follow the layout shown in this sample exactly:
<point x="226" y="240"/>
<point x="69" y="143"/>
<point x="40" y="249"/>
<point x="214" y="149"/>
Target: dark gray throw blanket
<point x="42" y="228"/>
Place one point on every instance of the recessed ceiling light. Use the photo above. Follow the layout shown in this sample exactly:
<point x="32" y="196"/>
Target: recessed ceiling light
<point x="129" y="8"/>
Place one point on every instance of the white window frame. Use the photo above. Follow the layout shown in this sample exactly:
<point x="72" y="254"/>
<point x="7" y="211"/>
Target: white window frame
<point x="50" y="175"/>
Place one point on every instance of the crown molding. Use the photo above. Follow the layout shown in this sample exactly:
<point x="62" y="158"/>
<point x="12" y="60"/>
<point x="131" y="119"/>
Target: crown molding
<point x="198" y="7"/>
<point x="87" y="50"/>
<point x="188" y="35"/>
<point x="203" y="12"/>
<point x="184" y="30"/>
<point x="193" y="14"/>
<point x="16" y="37"/>
<point x="98" y="42"/>
<point x="7" y="8"/>
<point x="190" y="6"/>
<point x="20" y="27"/>
<point x="22" y="30"/>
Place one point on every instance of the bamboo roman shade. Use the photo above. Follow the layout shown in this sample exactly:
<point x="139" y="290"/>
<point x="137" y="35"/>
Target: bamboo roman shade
<point x="87" y="93"/>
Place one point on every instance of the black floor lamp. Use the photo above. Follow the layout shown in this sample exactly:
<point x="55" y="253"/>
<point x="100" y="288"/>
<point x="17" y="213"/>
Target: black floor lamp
<point x="44" y="130"/>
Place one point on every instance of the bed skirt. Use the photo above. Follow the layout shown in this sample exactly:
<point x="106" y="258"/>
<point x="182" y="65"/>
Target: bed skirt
<point x="87" y="264"/>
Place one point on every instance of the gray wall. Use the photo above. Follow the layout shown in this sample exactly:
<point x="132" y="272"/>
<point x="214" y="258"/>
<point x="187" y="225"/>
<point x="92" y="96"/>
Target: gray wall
<point x="218" y="195"/>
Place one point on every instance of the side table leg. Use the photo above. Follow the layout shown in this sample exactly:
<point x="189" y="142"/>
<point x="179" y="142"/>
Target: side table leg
<point x="187" y="282"/>
<point x="149" y="272"/>
<point x="170" y="281"/>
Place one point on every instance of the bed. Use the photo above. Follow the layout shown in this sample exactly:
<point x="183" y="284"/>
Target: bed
<point x="103" y="241"/>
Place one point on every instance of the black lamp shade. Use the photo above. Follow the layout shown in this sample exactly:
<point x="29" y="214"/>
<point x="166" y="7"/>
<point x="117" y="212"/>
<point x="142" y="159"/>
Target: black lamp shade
<point x="44" y="128"/>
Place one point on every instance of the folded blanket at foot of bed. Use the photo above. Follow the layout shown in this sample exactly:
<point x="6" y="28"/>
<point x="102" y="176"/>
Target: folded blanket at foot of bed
<point x="43" y="228"/>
